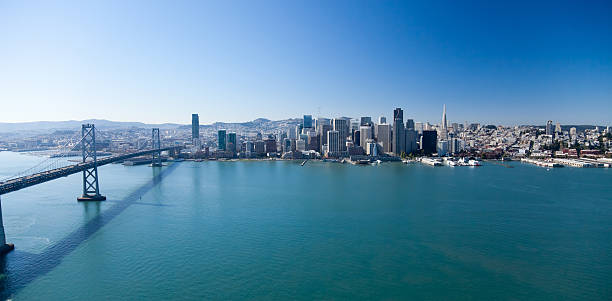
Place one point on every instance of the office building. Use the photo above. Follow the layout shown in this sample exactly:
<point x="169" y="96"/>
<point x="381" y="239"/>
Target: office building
<point x="444" y="125"/>
<point x="259" y="147"/>
<point x="357" y="138"/>
<point x="270" y="145"/>
<point x="195" y="127"/>
<point x="382" y="120"/>
<point x="572" y="131"/>
<point x="410" y="124"/>
<point x="411" y="141"/>
<point x="365" y="134"/>
<point x="341" y="125"/>
<point x="365" y="121"/>
<point x="320" y="122"/>
<point x="248" y="148"/>
<point x="286" y="145"/>
<point x="307" y="121"/>
<point x="383" y="135"/>
<point x="399" y="138"/>
<point x="429" y="141"/>
<point x="323" y="129"/>
<point x="549" y="128"/>
<point x="221" y="140"/>
<point x="418" y="127"/>
<point x="442" y="148"/>
<point x="231" y="142"/>
<point x="300" y="145"/>
<point x="333" y="141"/>
<point x="371" y="147"/>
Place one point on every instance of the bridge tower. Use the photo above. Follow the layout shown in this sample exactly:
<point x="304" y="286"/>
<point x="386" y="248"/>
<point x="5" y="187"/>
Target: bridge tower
<point x="156" y="143"/>
<point x="91" y="189"/>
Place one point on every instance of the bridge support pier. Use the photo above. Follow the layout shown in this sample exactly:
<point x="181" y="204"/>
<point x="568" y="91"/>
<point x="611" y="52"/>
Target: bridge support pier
<point x="156" y="143"/>
<point x="4" y="247"/>
<point x="91" y="189"/>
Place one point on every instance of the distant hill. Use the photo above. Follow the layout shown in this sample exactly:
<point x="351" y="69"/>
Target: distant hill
<point x="46" y="126"/>
<point x="74" y="125"/>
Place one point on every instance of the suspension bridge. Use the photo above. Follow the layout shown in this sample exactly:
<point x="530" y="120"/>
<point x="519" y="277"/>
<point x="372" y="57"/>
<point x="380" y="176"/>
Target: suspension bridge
<point x="56" y="167"/>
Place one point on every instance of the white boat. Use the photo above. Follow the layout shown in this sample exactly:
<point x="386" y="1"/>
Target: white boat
<point x="473" y="163"/>
<point x="432" y="162"/>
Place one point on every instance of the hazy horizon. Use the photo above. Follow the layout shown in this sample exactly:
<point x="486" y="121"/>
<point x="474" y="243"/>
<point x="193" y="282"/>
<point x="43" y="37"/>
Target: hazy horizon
<point x="493" y="63"/>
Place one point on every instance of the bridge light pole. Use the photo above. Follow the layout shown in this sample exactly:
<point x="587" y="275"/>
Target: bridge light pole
<point x="156" y="143"/>
<point x="91" y="189"/>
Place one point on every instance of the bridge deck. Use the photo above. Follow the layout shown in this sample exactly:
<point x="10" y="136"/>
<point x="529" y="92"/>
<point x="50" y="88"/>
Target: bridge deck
<point x="31" y="180"/>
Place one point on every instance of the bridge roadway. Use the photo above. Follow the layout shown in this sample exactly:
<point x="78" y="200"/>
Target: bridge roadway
<point x="31" y="180"/>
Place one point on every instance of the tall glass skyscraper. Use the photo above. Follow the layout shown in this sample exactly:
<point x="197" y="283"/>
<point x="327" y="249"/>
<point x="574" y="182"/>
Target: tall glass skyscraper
<point x="307" y="121"/>
<point x="231" y="140"/>
<point x="195" y="126"/>
<point x="222" y="140"/>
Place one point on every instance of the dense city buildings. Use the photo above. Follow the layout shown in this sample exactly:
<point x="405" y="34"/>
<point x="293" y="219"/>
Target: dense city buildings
<point x="360" y="138"/>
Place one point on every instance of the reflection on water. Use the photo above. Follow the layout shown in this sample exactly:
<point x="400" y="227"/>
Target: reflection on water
<point x="30" y="266"/>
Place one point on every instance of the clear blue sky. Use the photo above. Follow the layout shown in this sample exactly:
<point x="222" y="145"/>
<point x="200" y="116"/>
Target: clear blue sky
<point x="507" y="63"/>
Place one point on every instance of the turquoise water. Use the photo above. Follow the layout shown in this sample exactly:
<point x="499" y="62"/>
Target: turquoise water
<point x="276" y="230"/>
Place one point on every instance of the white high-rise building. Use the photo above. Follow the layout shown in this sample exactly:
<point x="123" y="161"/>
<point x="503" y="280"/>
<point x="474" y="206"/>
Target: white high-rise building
<point x="444" y="125"/>
<point x="442" y="148"/>
<point x="365" y="134"/>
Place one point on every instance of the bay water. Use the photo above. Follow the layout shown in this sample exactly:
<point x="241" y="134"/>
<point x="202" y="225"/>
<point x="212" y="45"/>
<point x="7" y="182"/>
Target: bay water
<point x="275" y="230"/>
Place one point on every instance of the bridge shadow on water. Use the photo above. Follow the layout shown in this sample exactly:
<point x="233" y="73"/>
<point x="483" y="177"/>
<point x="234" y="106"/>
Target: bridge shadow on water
<point x="20" y="268"/>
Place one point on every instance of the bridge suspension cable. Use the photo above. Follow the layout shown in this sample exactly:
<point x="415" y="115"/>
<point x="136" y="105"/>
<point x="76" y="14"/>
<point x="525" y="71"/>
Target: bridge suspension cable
<point x="56" y="159"/>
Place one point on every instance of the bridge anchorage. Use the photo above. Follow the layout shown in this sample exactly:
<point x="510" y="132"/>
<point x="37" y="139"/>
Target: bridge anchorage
<point x="91" y="189"/>
<point x="156" y="145"/>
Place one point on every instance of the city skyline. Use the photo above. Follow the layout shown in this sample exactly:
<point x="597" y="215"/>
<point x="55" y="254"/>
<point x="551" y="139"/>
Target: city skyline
<point x="156" y="63"/>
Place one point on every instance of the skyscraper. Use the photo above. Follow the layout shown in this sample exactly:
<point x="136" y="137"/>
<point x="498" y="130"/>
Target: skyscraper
<point x="383" y="135"/>
<point x="429" y="142"/>
<point x="323" y="133"/>
<point x="307" y="121"/>
<point x="365" y="134"/>
<point x="399" y="139"/>
<point x="411" y="136"/>
<point x="333" y="141"/>
<point x="341" y="126"/>
<point x="195" y="126"/>
<point x="231" y="142"/>
<point x="382" y="120"/>
<point x="319" y="122"/>
<point x="221" y="140"/>
<point x="365" y="121"/>
<point x="444" y="125"/>
<point x="549" y="128"/>
<point x="410" y="124"/>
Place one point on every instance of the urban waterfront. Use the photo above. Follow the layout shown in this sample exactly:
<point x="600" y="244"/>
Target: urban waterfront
<point x="279" y="230"/>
